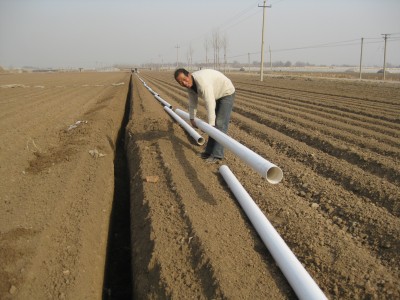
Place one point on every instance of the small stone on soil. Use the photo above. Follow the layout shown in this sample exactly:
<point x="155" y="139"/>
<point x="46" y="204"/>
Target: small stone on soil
<point x="152" y="179"/>
<point x="13" y="289"/>
<point x="315" y="205"/>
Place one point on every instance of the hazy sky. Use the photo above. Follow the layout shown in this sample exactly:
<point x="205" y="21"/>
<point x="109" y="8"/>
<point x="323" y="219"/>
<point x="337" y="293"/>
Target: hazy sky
<point x="97" y="33"/>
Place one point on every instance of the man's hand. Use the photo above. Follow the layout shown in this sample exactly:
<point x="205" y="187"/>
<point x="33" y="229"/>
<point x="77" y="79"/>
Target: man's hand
<point x="193" y="123"/>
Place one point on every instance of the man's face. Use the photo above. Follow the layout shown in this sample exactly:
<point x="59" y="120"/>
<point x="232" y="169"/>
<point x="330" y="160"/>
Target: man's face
<point x="185" y="81"/>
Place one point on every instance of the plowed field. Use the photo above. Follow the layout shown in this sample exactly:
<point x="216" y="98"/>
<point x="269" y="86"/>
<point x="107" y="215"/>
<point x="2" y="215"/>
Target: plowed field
<point x="55" y="197"/>
<point x="337" y="207"/>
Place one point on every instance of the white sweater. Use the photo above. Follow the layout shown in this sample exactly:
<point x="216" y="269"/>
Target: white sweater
<point x="211" y="86"/>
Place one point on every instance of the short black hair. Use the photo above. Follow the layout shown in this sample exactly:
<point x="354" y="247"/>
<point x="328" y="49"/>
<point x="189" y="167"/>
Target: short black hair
<point x="179" y="71"/>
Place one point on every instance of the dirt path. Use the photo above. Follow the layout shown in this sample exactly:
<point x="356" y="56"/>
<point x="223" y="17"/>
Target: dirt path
<point x="55" y="197"/>
<point x="337" y="207"/>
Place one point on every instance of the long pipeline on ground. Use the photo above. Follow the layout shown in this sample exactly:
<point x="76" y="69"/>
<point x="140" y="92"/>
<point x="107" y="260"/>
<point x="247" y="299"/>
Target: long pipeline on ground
<point x="163" y="102"/>
<point x="189" y="129"/>
<point x="297" y="276"/>
<point x="266" y="169"/>
<point x="156" y="95"/>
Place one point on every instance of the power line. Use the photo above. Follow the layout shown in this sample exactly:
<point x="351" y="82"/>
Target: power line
<point x="325" y="45"/>
<point x="274" y="3"/>
<point x="236" y="16"/>
<point x="241" y="21"/>
<point x="328" y="45"/>
<point x="226" y="23"/>
<point x="331" y="44"/>
<point x="245" y="54"/>
<point x="247" y="17"/>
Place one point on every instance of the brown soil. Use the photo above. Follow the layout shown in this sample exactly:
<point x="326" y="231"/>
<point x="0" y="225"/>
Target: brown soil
<point x="55" y="198"/>
<point x="337" y="207"/>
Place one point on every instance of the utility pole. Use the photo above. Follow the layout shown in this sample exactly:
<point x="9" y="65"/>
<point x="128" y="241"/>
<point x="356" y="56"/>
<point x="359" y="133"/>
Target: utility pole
<point x="248" y="59"/>
<point x="177" y="55"/>
<point x="385" y="35"/>
<point x="262" y="41"/>
<point x="270" y="58"/>
<point x="362" y="41"/>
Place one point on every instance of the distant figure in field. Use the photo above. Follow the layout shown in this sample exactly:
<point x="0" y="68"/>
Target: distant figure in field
<point x="218" y="93"/>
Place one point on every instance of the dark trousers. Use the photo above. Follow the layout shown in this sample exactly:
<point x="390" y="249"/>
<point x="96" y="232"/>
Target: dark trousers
<point x="223" y="110"/>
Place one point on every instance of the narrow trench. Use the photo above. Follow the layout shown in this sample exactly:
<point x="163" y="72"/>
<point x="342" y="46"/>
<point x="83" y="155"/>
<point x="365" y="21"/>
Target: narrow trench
<point x="118" y="271"/>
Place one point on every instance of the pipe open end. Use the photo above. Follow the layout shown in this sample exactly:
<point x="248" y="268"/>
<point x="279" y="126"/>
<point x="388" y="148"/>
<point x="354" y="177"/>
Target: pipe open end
<point x="274" y="175"/>
<point x="201" y="141"/>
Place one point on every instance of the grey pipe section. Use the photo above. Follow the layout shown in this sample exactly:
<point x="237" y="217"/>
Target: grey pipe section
<point x="189" y="129"/>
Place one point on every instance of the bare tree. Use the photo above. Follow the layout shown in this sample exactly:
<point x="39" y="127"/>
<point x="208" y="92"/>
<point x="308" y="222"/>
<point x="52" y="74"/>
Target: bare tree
<point x="190" y="56"/>
<point x="206" y="46"/>
<point x="188" y="60"/>
<point x="216" y="42"/>
<point x="224" y="44"/>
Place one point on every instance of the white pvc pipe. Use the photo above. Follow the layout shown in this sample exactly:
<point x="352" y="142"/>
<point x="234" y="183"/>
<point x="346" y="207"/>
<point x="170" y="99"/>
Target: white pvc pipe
<point x="299" y="279"/>
<point x="266" y="169"/>
<point x="156" y="95"/>
<point x="165" y="103"/>
<point x="193" y="133"/>
<point x="149" y="88"/>
<point x="151" y="91"/>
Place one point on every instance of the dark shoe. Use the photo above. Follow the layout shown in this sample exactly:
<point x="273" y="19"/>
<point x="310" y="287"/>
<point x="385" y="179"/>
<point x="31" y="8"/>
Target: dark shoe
<point x="204" y="155"/>
<point x="213" y="160"/>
